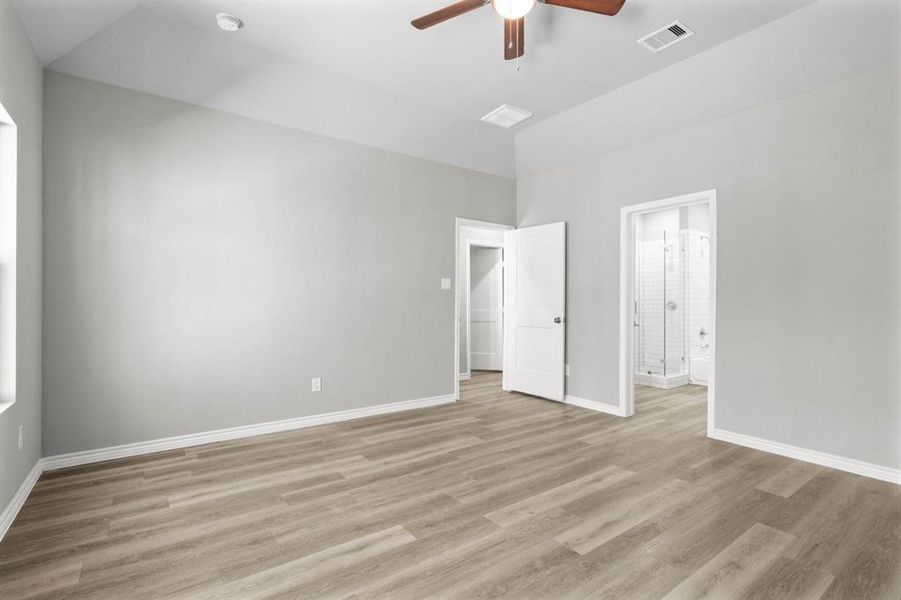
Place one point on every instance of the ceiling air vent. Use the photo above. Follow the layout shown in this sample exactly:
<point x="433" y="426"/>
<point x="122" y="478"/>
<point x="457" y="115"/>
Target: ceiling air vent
<point x="666" y="37"/>
<point x="507" y="116"/>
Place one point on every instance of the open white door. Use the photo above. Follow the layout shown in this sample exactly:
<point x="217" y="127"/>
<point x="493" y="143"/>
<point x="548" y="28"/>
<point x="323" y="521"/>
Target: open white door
<point x="535" y="290"/>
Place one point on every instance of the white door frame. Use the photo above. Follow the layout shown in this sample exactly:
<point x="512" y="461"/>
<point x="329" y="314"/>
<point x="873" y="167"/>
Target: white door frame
<point x="458" y="223"/>
<point x="469" y="245"/>
<point x="8" y="207"/>
<point x="627" y="295"/>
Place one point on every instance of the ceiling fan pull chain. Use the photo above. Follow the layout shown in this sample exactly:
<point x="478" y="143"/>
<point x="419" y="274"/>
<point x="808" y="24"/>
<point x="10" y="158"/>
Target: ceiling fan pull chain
<point x="518" y="54"/>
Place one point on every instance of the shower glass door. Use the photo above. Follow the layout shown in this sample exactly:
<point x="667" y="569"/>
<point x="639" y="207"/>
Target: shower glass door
<point x="673" y="305"/>
<point x="650" y="313"/>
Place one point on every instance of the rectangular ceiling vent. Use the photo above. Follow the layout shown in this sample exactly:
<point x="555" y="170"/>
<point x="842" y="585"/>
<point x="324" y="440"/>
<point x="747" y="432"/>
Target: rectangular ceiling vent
<point x="666" y="37"/>
<point x="507" y="116"/>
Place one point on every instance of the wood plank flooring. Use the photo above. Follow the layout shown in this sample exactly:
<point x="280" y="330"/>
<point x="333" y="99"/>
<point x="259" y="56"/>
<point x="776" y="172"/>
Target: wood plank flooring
<point x="497" y="496"/>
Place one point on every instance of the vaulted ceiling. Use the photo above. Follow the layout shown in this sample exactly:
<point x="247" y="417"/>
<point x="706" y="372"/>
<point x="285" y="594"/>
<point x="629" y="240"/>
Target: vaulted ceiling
<point x="357" y="70"/>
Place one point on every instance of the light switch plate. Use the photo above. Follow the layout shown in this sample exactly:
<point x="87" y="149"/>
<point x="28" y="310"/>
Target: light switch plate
<point x="316" y="384"/>
<point x="445" y="283"/>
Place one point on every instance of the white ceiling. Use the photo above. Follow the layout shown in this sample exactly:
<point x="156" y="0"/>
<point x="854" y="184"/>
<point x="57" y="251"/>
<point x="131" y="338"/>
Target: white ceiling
<point x="818" y="45"/>
<point x="357" y="70"/>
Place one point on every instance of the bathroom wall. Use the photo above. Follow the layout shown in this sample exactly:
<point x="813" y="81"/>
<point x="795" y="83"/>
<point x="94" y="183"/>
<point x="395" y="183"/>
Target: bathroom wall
<point x="695" y="237"/>
<point x="697" y="293"/>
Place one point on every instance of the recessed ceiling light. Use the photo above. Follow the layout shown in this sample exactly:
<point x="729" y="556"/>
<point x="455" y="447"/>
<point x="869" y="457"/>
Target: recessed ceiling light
<point x="229" y="23"/>
<point x="507" y="116"/>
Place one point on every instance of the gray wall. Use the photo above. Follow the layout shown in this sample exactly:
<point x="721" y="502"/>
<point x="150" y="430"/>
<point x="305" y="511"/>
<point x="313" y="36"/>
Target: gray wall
<point x="808" y="273"/>
<point x="20" y="92"/>
<point x="201" y="267"/>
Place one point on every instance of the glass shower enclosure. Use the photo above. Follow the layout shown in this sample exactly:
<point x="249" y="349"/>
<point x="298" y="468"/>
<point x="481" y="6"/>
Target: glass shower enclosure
<point x="659" y="307"/>
<point x="671" y="316"/>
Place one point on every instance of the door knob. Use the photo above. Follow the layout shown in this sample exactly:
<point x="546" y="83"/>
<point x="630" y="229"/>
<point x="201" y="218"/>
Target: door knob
<point x="559" y="320"/>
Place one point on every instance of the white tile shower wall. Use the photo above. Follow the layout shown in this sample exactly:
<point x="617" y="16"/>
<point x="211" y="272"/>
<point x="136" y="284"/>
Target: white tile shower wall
<point x="660" y="335"/>
<point x="674" y="304"/>
<point x="673" y="283"/>
<point x="697" y="295"/>
<point x="650" y="303"/>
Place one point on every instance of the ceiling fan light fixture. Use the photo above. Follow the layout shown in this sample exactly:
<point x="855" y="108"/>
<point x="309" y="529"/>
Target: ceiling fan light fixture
<point x="229" y="23"/>
<point x="513" y="9"/>
<point x="513" y="13"/>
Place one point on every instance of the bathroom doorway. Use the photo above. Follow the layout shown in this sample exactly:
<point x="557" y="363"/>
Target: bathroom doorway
<point x="668" y="296"/>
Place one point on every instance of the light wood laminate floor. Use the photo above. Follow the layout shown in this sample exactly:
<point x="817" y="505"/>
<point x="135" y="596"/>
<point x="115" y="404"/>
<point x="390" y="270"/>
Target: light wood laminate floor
<point x="499" y="495"/>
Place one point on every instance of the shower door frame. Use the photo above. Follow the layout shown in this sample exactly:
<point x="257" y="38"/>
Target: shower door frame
<point x="627" y="295"/>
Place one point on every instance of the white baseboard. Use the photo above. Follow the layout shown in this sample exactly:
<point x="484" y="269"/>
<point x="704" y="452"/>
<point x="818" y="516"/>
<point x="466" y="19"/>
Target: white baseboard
<point x="81" y="458"/>
<point x="464" y="376"/>
<point x="195" y="439"/>
<point x="12" y="509"/>
<point x="183" y="441"/>
<point x="611" y="409"/>
<point x="841" y="463"/>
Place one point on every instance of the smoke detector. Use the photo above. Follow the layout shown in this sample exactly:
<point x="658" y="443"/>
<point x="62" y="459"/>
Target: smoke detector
<point x="229" y="23"/>
<point x="507" y="116"/>
<point x="666" y="36"/>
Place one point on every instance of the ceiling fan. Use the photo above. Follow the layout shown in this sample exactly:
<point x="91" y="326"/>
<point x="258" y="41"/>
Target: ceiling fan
<point x="514" y="13"/>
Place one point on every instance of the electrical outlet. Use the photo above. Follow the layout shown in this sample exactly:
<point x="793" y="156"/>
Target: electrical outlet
<point x="566" y="370"/>
<point x="21" y="437"/>
<point x="316" y="384"/>
<point x="445" y="283"/>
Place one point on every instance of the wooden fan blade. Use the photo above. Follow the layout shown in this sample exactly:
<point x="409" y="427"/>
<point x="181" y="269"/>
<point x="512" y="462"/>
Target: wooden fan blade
<point x="602" y="7"/>
<point x="514" y="38"/>
<point x="448" y="12"/>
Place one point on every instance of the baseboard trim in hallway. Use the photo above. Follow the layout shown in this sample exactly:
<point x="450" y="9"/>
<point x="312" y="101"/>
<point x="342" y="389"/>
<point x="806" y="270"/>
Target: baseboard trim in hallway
<point x="15" y="504"/>
<point x="816" y="457"/>
<point x="75" y="459"/>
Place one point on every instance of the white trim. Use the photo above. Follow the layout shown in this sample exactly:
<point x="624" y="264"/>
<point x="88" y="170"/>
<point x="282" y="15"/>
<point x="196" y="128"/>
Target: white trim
<point x="75" y="459"/>
<point x="12" y="509"/>
<point x="610" y="409"/>
<point x="15" y="504"/>
<point x="195" y="439"/>
<point x="509" y="243"/>
<point x="458" y="223"/>
<point x="858" y="467"/>
<point x="626" y="295"/>
<point x="8" y="261"/>
<point x="465" y="376"/>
